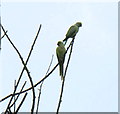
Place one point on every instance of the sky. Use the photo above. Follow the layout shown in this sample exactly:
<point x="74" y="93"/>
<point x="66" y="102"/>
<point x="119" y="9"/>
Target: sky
<point x="91" y="83"/>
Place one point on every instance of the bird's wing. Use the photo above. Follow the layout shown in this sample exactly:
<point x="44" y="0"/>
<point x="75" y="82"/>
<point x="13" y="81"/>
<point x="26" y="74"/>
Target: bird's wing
<point x="59" y="56"/>
<point x="60" y="52"/>
<point x="72" y="31"/>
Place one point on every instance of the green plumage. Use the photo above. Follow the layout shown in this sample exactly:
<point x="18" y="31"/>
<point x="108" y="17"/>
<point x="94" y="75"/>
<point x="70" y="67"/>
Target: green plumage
<point x="60" y="52"/>
<point x="72" y="31"/>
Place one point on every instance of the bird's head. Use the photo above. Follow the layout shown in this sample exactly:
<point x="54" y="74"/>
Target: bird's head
<point x="60" y="43"/>
<point x="79" y="24"/>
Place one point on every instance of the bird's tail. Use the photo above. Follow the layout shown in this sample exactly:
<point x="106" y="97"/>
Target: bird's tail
<point x="61" y="70"/>
<point x="62" y="78"/>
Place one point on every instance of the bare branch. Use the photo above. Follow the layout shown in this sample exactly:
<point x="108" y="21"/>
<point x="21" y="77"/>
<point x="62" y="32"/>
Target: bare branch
<point x="39" y="97"/>
<point x="18" y="95"/>
<point x="8" y="111"/>
<point x="62" y="88"/>
<point x="4" y="35"/>
<point x="31" y="49"/>
<point x="50" y="65"/>
<point x="21" y="103"/>
<point x="41" y="86"/>
<point x="14" y="96"/>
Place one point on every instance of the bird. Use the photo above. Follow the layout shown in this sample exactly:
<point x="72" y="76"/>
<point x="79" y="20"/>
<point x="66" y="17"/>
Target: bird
<point x="72" y="31"/>
<point x="60" y="52"/>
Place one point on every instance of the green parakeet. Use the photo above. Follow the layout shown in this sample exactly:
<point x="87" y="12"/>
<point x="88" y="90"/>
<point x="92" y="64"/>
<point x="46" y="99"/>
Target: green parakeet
<point x="72" y="31"/>
<point x="60" y="52"/>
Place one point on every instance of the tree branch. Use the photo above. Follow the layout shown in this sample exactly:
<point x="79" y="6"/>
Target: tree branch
<point x="42" y="84"/>
<point x="62" y="88"/>
<point x="18" y="95"/>
<point x="4" y="35"/>
<point x="21" y="103"/>
<point x="14" y="96"/>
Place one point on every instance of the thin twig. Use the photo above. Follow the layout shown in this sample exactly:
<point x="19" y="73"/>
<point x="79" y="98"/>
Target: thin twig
<point x="9" y="111"/>
<point x="18" y="95"/>
<point x="14" y="96"/>
<point x="39" y="97"/>
<point x="42" y="84"/>
<point x="62" y="88"/>
<point x="21" y="103"/>
<point x="50" y="65"/>
<point x="33" y="44"/>
<point x="4" y="35"/>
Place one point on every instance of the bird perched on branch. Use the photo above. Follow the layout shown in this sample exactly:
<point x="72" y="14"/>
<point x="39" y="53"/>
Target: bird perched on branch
<point x="60" y="52"/>
<point x="72" y="31"/>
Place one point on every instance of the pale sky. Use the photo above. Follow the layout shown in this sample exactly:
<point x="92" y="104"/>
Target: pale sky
<point x="92" y="78"/>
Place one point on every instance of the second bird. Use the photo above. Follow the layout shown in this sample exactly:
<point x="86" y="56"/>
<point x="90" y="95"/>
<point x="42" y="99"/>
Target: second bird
<point x="72" y="31"/>
<point x="60" y="52"/>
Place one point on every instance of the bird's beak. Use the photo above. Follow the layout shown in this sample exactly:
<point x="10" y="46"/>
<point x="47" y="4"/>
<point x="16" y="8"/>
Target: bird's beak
<point x="81" y="25"/>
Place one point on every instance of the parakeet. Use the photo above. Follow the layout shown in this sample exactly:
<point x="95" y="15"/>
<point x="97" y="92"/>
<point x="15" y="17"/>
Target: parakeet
<point x="72" y="31"/>
<point x="60" y="52"/>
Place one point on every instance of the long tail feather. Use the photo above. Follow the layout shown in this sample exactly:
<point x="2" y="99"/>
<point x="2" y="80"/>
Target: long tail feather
<point x="61" y="70"/>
